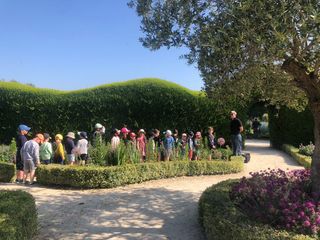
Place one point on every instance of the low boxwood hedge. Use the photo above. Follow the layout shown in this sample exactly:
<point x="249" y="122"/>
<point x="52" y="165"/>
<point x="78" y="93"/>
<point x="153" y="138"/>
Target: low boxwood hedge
<point x="300" y="158"/>
<point x="7" y="172"/>
<point x="222" y="220"/>
<point x="109" y="177"/>
<point x="18" y="215"/>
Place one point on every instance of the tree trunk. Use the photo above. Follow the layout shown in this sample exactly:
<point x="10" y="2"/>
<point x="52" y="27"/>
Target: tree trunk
<point x="315" y="164"/>
<point x="309" y="83"/>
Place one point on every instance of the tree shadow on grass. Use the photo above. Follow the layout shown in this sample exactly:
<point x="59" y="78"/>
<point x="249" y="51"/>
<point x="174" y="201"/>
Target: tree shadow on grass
<point x="156" y="213"/>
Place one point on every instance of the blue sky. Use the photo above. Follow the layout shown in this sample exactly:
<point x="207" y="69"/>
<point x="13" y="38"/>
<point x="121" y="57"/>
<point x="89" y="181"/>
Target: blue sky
<point x="74" y="44"/>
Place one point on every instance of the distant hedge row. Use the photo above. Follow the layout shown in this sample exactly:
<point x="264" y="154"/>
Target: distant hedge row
<point x="222" y="220"/>
<point x="145" y="103"/>
<point x="109" y="177"/>
<point x="289" y="126"/>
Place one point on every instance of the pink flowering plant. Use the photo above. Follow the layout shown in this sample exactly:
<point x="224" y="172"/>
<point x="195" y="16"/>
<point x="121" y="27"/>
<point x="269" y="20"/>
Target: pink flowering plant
<point x="281" y="199"/>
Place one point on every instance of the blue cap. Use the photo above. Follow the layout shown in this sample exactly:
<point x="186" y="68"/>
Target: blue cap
<point x="23" y="128"/>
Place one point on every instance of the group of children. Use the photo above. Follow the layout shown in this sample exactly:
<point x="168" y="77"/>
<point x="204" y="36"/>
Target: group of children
<point x="39" y="149"/>
<point x="165" y="147"/>
<point x="65" y="149"/>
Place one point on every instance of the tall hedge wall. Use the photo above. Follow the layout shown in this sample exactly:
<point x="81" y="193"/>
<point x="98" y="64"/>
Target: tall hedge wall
<point x="289" y="126"/>
<point x="145" y="103"/>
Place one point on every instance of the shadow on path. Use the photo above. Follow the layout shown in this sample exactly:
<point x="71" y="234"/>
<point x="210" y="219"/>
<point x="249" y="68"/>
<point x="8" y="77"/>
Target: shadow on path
<point x="155" y="213"/>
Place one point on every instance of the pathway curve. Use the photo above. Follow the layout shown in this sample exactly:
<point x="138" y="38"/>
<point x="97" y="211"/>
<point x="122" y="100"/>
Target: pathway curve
<point x="160" y="209"/>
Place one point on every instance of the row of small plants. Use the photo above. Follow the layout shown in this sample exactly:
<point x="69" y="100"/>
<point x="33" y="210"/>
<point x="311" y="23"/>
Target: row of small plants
<point x="103" y="155"/>
<point x="269" y="205"/>
<point x="113" y="176"/>
<point x="18" y="215"/>
<point x="302" y="159"/>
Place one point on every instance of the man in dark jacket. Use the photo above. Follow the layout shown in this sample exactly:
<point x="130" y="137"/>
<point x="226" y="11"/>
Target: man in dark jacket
<point x="236" y="128"/>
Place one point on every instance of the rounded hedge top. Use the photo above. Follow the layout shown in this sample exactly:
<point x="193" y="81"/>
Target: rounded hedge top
<point x="144" y="103"/>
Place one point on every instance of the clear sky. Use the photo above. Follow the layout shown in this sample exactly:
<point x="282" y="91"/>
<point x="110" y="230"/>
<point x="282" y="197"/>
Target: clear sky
<point x="74" y="44"/>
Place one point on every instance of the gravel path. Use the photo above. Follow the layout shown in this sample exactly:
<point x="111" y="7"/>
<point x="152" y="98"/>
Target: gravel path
<point x="160" y="209"/>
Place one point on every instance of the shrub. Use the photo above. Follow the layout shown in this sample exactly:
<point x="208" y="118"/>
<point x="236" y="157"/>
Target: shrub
<point x="281" y="199"/>
<point x="288" y="126"/>
<point x="222" y="220"/>
<point x="139" y="104"/>
<point x="306" y="150"/>
<point x="114" y="176"/>
<point x="7" y="172"/>
<point x="294" y="152"/>
<point x="8" y="153"/>
<point x="18" y="215"/>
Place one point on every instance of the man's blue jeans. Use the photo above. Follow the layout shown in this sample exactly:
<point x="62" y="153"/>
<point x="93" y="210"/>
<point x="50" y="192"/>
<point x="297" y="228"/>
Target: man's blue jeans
<point x="236" y="141"/>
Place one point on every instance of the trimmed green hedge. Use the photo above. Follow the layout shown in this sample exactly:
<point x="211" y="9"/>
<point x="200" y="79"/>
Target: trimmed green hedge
<point x="300" y="158"/>
<point x="7" y="172"/>
<point x="288" y="126"/>
<point x="138" y="103"/>
<point x="222" y="220"/>
<point x="18" y="215"/>
<point x="109" y="177"/>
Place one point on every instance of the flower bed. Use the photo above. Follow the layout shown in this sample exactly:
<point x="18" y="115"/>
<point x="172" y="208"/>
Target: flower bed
<point x="7" y="172"/>
<point x="294" y="152"/>
<point x="222" y="220"/>
<point x="18" y="215"/>
<point x="109" y="177"/>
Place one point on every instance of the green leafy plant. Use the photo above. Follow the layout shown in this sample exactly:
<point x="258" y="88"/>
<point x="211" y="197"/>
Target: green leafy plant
<point x="306" y="150"/>
<point x="18" y="215"/>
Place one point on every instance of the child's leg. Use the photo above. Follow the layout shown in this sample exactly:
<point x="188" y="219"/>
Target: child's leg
<point x="32" y="173"/>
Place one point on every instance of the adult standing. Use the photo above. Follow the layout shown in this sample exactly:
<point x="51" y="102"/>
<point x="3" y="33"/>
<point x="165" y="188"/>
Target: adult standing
<point x="98" y="134"/>
<point x="21" y="139"/>
<point x="236" y="128"/>
<point x="30" y="156"/>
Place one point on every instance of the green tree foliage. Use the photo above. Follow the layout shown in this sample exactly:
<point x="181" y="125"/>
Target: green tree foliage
<point x="270" y="48"/>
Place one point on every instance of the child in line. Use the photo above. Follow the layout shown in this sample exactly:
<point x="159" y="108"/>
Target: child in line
<point x="115" y="140"/>
<point x="211" y="140"/>
<point x="168" y="144"/>
<point x="141" y="144"/>
<point x="133" y="140"/>
<point x="197" y="145"/>
<point x="46" y="150"/>
<point x="82" y="148"/>
<point x="156" y="143"/>
<point x="59" y="153"/>
<point x="124" y="134"/>
<point x="190" y="145"/>
<point x="69" y="145"/>
<point x="183" y="145"/>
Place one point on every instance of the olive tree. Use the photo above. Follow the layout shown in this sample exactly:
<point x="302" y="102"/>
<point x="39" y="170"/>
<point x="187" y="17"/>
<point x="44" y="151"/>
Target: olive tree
<point x="272" y="47"/>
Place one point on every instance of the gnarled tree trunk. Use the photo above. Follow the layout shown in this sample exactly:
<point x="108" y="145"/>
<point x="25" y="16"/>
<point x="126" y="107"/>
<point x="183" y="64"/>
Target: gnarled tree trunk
<point x="310" y="84"/>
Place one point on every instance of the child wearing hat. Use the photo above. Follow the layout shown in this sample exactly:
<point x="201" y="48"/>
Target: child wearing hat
<point x="141" y="144"/>
<point x="168" y="144"/>
<point x="183" y="145"/>
<point x="46" y="150"/>
<point x="59" y="153"/>
<point x="21" y="139"/>
<point x="82" y="148"/>
<point x="30" y="156"/>
<point x="69" y="145"/>
<point x="124" y="134"/>
<point x="133" y="140"/>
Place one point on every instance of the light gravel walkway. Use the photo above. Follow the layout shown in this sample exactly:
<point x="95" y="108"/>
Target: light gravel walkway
<point x="160" y="209"/>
